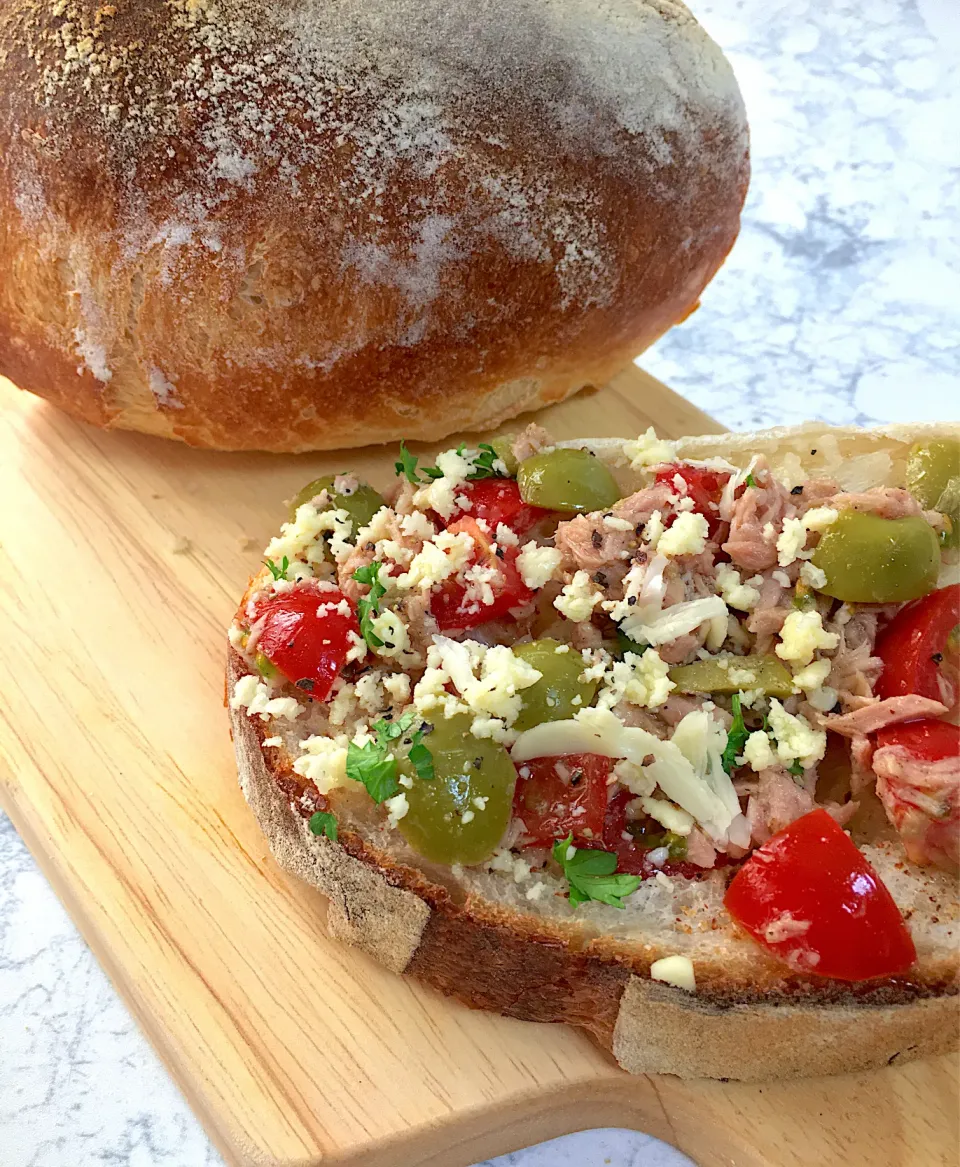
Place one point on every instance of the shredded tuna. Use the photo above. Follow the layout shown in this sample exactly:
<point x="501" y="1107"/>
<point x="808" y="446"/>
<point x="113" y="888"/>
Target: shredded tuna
<point x="815" y="493"/>
<point x="677" y="652"/>
<point x="922" y="801"/>
<point x="634" y="716"/>
<point x="840" y="812"/>
<point x="889" y="502"/>
<point x="882" y="713"/>
<point x="530" y="441"/>
<point x="589" y="545"/>
<point x="700" y="850"/>
<point x="677" y="706"/>
<point x="756" y="522"/>
<point x="855" y="669"/>
<point x="778" y="801"/>
<point x="861" y="763"/>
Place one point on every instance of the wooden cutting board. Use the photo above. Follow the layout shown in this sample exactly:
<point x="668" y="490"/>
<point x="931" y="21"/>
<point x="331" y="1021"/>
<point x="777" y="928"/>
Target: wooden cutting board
<point x="121" y="561"/>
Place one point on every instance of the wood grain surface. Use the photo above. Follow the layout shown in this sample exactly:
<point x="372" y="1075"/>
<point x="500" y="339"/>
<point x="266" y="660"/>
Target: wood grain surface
<point x="121" y="561"/>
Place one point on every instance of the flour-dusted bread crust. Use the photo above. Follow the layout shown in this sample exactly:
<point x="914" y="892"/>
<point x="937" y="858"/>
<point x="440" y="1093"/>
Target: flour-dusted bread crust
<point x="474" y="936"/>
<point x="315" y="224"/>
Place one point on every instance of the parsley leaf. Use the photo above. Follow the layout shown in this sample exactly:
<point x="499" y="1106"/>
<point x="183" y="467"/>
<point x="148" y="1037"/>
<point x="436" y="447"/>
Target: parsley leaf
<point x="421" y="758"/>
<point x="324" y="823"/>
<point x="736" y="738"/>
<point x="627" y="644"/>
<point x="407" y="465"/>
<point x="750" y="480"/>
<point x="592" y="875"/>
<point x="374" y="766"/>
<point x="795" y="768"/>
<point x="277" y="572"/>
<point x="368" y="606"/>
<point x="433" y="472"/>
<point x="483" y="464"/>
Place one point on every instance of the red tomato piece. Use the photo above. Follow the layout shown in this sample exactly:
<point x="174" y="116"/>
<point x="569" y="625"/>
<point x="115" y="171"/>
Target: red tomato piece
<point x="449" y="605"/>
<point x="703" y="486"/>
<point x="559" y="796"/>
<point x="306" y="638"/>
<point x="927" y="739"/>
<point x="810" y="896"/>
<point x="912" y="645"/>
<point x="497" y="500"/>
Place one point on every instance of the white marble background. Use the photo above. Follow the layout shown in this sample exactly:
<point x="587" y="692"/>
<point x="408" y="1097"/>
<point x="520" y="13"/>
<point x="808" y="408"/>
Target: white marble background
<point x="841" y="301"/>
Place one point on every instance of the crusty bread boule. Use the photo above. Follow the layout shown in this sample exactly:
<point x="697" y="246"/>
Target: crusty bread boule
<point x="323" y="223"/>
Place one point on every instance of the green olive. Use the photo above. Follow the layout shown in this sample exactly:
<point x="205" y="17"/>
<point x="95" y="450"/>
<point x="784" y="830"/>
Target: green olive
<point x="930" y="466"/>
<point x="361" y="505"/>
<point x="559" y="693"/>
<point x="467" y="769"/>
<point x="649" y="835"/>
<point x="933" y="478"/>
<point x="573" y="481"/>
<point x="871" y="560"/>
<point x="768" y="673"/>
<point x="266" y="668"/>
<point x="503" y="448"/>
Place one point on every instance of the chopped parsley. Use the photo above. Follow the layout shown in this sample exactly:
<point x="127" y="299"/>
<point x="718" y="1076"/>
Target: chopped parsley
<point x="421" y="758"/>
<point x="483" y="463"/>
<point x="324" y="823"/>
<point x="592" y="875"/>
<point x="736" y="737"/>
<point x="407" y="465"/>
<point x="277" y="572"/>
<point x="795" y="768"/>
<point x="369" y="605"/>
<point x="375" y="765"/>
<point x="750" y="480"/>
<point x="627" y="644"/>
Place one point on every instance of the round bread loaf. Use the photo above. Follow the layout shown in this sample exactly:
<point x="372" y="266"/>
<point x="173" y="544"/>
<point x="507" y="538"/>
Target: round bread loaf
<point x="309" y="224"/>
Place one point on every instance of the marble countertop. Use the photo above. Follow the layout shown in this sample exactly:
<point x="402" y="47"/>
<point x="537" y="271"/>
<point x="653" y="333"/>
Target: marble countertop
<point x="841" y="301"/>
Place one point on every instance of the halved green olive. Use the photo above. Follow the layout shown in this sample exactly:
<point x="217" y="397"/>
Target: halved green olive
<point x="503" y="448"/>
<point x="266" y="668"/>
<point x="361" y="505"/>
<point x="767" y="673"/>
<point x="930" y="466"/>
<point x="460" y="815"/>
<point x="933" y="478"/>
<point x="871" y="560"/>
<point x="571" y="481"/>
<point x="649" y="835"/>
<point x="559" y="693"/>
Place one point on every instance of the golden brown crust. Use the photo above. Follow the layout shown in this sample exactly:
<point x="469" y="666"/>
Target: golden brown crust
<point x="750" y="1018"/>
<point x="233" y="224"/>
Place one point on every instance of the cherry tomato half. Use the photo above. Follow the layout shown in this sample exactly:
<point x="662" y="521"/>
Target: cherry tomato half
<point x="306" y="635"/>
<point x="497" y="500"/>
<point x="913" y="643"/>
<point x="559" y="796"/>
<point x="927" y="739"/>
<point x="810" y="896"/>
<point x="449" y="605"/>
<point x="703" y="486"/>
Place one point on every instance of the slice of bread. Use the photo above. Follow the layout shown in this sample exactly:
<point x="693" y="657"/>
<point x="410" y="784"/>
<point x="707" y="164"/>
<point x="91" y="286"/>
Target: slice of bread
<point x="474" y="934"/>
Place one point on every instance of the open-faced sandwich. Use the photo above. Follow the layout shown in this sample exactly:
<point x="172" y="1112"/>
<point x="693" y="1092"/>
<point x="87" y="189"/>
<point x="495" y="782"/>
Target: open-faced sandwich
<point x="655" y="738"/>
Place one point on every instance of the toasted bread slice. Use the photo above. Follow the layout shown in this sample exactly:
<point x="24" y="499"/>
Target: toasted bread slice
<point x="474" y="934"/>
